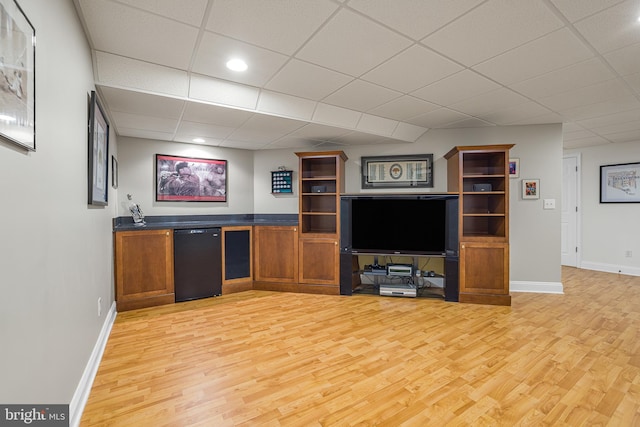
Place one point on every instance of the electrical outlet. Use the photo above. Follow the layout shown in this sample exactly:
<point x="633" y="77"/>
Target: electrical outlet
<point x="628" y="254"/>
<point x="99" y="306"/>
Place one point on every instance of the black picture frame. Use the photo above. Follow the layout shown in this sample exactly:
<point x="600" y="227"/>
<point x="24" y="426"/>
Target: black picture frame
<point x="190" y="179"/>
<point x="403" y="171"/>
<point x="620" y="183"/>
<point x="114" y="172"/>
<point x="98" y="153"/>
<point x="18" y="76"/>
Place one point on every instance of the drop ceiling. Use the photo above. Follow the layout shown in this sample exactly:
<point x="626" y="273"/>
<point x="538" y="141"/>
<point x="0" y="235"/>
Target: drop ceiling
<point x="364" y="72"/>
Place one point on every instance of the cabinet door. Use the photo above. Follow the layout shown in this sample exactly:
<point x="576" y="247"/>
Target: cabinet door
<point x="143" y="268"/>
<point x="275" y="256"/>
<point x="484" y="273"/>
<point x="237" y="259"/>
<point x="319" y="261"/>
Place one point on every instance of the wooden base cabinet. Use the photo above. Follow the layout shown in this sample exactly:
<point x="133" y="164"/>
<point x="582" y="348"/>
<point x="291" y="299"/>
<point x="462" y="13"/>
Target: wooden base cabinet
<point x="484" y="273"/>
<point x="143" y="268"/>
<point x="319" y="261"/>
<point x="276" y="258"/>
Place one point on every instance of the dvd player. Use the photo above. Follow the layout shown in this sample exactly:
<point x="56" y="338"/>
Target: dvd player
<point x="398" y="291"/>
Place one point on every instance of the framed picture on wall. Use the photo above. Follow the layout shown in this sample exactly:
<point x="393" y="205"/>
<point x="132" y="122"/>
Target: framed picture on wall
<point x="408" y="171"/>
<point x="620" y="183"/>
<point x="514" y="168"/>
<point x="530" y="188"/>
<point x="98" y="153"/>
<point x="190" y="179"/>
<point x="17" y="76"/>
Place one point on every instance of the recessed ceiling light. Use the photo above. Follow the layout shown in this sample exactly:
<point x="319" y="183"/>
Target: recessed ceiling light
<point x="237" y="64"/>
<point x="198" y="140"/>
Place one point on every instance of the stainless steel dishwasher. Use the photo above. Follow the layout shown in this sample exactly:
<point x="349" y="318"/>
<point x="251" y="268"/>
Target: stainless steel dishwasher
<point x="197" y="263"/>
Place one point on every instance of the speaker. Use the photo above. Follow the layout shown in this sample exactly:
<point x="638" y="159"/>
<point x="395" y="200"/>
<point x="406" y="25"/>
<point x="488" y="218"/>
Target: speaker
<point x="481" y="187"/>
<point x="318" y="188"/>
<point x="451" y="279"/>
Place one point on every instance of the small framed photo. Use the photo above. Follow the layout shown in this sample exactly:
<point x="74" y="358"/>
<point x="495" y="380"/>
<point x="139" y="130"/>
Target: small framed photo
<point x="530" y="188"/>
<point x="620" y="183"/>
<point x="98" y="153"/>
<point x="514" y="168"/>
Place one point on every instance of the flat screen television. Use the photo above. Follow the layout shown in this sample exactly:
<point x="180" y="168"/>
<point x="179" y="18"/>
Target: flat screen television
<point x="400" y="224"/>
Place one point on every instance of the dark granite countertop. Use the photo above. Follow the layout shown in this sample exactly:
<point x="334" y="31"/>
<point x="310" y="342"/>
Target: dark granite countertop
<point x="204" y="221"/>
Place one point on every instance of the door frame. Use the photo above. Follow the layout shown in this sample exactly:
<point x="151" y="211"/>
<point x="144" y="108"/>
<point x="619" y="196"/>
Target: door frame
<point x="578" y="224"/>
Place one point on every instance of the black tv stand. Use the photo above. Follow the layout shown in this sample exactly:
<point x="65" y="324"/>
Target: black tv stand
<point x="372" y="277"/>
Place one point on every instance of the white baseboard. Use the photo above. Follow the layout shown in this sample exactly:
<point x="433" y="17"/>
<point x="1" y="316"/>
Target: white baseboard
<point x="536" y="287"/>
<point x="610" y="268"/>
<point x="80" y="397"/>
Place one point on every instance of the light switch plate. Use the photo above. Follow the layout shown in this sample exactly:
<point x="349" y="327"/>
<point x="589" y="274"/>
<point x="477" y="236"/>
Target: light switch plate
<point x="549" y="204"/>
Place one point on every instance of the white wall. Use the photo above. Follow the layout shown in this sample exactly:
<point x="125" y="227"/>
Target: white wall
<point x="55" y="251"/>
<point x="608" y="229"/>
<point x="136" y="162"/>
<point x="534" y="232"/>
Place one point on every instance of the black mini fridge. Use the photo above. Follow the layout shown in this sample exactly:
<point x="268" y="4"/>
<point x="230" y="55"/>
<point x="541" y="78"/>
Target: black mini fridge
<point x="197" y="263"/>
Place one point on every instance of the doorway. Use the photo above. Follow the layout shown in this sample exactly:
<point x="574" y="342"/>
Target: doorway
<point x="570" y="218"/>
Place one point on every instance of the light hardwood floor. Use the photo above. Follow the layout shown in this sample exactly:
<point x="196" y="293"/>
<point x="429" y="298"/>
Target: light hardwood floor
<point x="262" y="358"/>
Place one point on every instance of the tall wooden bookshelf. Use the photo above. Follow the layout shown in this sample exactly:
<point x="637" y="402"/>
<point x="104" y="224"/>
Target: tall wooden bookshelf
<point x="480" y="175"/>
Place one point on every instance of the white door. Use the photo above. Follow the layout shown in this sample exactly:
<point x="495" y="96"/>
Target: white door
<point x="569" y="214"/>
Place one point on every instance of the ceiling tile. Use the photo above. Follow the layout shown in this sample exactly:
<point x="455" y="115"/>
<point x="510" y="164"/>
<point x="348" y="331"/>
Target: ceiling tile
<point x="585" y="142"/>
<point x="631" y="126"/>
<point x="215" y="115"/>
<point x="586" y="95"/>
<point x="142" y="103"/>
<point x="515" y="113"/>
<point x="352" y="44"/>
<point x="132" y="33"/>
<point x="438" y="118"/>
<point x="634" y="81"/>
<point x="611" y="119"/>
<point x="336" y="116"/>
<point x="489" y="102"/>
<point x="416" y="18"/>
<point x="295" y="76"/>
<point x="189" y="130"/>
<point x="254" y="21"/>
<point x="376" y="125"/>
<point x="463" y="85"/>
<point x="613" y="28"/>
<point x="146" y="123"/>
<point x="214" y="52"/>
<point x="412" y="69"/>
<point x="404" y="108"/>
<point x="113" y="70"/>
<point x="493" y="28"/>
<point x="317" y="132"/>
<point x="626" y="60"/>
<point x="548" y="53"/>
<point x="360" y="95"/>
<point x="607" y="106"/>
<point x="574" y="10"/>
<point x="190" y="12"/>
<point x="285" y="105"/>
<point x="586" y="73"/>
<point x="409" y="132"/>
<point x="222" y="92"/>
<point x="629" y="136"/>
<point x="145" y="134"/>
